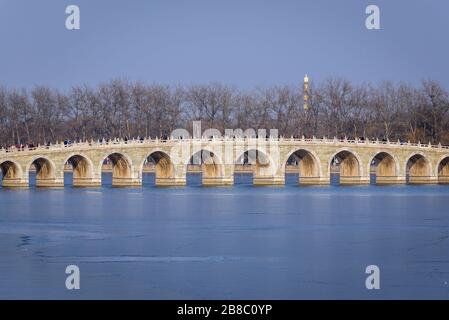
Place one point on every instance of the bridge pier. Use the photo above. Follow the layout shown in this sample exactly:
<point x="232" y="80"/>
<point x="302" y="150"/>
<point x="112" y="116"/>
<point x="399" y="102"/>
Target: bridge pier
<point x="350" y="180"/>
<point x="126" y="182"/>
<point x="49" y="183"/>
<point x="384" y="180"/>
<point x="268" y="181"/>
<point x="15" y="183"/>
<point x="86" y="182"/>
<point x="170" y="182"/>
<point x="168" y="175"/>
<point x="443" y="179"/>
<point x="422" y="180"/>
<point x="218" y="181"/>
<point x="311" y="181"/>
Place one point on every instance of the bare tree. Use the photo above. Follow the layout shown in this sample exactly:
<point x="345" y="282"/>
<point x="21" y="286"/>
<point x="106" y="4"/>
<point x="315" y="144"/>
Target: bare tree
<point x="334" y="101"/>
<point x="435" y="105"/>
<point x="21" y="116"/>
<point x="386" y="105"/>
<point x="122" y="109"/>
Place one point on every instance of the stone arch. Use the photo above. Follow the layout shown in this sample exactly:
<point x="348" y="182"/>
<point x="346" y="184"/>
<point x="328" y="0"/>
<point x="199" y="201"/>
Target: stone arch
<point x="443" y="169"/>
<point x="121" y="168"/>
<point x="11" y="171"/>
<point x="211" y="164"/>
<point x="163" y="165"/>
<point x="83" y="169"/>
<point x="418" y="168"/>
<point x="386" y="167"/>
<point x="260" y="163"/>
<point x="45" y="171"/>
<point x="308" y="162"/>
<point x="348" y="164"/>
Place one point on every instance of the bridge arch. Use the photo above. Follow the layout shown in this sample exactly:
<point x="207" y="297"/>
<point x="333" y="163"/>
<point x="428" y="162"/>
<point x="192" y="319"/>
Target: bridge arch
<point x="308" y="162"/>
<point x="418" y="168"/>
<point x="386" y="167"/>
<point x="83" y="169"/>
<point x="211" y="164"/>
<point x="121" y="167"/>
<point x="163" y="164"/>
<point x="348" y="163"/>
<point x="45" y="170"/>
<point x="443" y="169"/>
<point x="10" y="170"/>
<point x="261" y="163"/>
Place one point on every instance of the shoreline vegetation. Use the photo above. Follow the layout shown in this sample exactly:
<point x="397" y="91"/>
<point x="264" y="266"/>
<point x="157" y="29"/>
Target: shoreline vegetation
<point x="118" y="108"/>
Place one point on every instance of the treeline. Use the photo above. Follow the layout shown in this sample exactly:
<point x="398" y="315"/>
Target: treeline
<point x="125" y="109"/>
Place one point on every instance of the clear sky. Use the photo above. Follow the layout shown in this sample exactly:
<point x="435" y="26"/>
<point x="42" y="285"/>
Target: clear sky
<point x="247" y="43"/>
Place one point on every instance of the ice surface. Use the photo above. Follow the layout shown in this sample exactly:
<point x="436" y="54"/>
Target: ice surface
<point x="220" y="243"/>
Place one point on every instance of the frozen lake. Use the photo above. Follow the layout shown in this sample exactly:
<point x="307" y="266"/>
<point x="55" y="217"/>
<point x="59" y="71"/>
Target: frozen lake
<point x="225" y="243"/>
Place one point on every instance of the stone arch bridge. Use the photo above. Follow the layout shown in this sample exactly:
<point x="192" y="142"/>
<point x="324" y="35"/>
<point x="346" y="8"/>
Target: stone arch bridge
<point x="391" y="162"/>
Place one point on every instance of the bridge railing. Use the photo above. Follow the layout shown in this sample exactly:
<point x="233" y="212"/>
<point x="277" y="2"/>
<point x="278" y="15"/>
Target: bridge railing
<point x="99" y="143"/>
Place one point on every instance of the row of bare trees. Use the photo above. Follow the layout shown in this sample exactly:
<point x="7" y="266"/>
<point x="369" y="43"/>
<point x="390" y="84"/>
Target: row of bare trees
<point x="123" y="109"/>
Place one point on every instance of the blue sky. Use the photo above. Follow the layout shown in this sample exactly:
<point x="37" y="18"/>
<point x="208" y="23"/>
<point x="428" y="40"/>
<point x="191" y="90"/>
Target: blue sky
<point x="246" y="43"/>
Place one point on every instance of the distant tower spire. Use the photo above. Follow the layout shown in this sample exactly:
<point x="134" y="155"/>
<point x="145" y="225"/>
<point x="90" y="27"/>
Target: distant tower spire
<point x="306" y="93"/>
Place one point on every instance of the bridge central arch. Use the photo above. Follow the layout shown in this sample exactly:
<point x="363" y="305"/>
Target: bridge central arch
<point x="258" y="163"/>
<point x="346" y="164"/>
<point x="212" y="169"/>
<point x="306" y="164"/>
